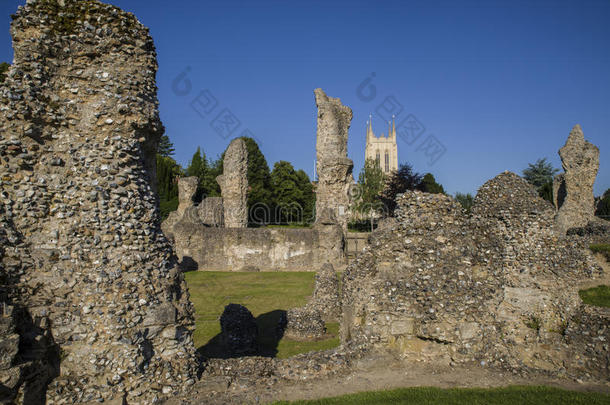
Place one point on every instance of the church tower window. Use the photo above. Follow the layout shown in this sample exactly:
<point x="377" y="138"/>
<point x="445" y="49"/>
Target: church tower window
<point x="387" y="161"/>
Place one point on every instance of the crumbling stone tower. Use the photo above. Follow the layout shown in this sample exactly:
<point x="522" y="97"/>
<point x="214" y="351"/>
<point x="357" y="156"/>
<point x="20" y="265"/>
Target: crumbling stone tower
<point x="333" y="166"/>
<point x="573" y="189"/>
<point x="233" y="184"/>
<point x="87" y="263"/>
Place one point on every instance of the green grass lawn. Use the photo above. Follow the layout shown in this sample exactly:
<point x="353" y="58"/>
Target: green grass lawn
<point x="466" y="396"/>
<point x="598" y="296"/>
<point x="265" y="294"/>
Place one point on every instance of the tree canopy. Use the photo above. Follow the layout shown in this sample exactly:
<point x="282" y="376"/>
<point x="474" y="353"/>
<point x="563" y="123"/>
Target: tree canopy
<point x="168" y="172"/>
<point x="399" y="181"/>
<point x="429" y="185"/>
<point x="370" y="185"/>
<point x="293" y="195"/>
<point x="166" y="147"/>
<point x="540" y="175"/>
<point x="259" y="179"/>
<point x="206" y="172"/>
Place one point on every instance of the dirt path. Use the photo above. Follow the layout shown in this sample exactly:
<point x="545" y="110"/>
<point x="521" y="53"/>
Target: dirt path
<point x="390" y="376"/>
<point x="373" y="373"/>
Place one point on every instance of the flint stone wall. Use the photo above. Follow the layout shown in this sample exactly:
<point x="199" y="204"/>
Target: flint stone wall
<point x="325" y="299"/>
<point x="88" y="267"/>
<point x="497" y="287"/>
<point x="269" y="249"/>
<point x="304" y="324"/>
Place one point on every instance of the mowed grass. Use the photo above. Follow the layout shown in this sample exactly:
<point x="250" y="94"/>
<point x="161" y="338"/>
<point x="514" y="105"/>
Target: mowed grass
<point x="598" y="296"/>
<point x="466" y="396"/>
<point x="265" y="294"/>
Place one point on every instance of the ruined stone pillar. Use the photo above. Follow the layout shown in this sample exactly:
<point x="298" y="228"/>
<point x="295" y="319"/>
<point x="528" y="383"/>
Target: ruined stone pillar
<point x="187" y="187"/>
<point x="79" y="128"/>
<point x="580" y="161"/>
<point x="234" y="185"/>
<point x="334" y="169"/>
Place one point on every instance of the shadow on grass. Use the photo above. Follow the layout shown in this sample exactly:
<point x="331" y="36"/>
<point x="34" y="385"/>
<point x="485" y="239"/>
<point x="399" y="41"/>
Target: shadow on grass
<point x="270" y="331"/>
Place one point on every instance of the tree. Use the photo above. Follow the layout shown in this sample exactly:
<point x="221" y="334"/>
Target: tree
<point x="168" y="172"/>
<point x="603" y="206"/>
<point x="370" y="185"/>
<point x="3" y="69"/>
<point x="398" y="182"/>
<point x="198" y="167"/>
<point x="166" y="147"/>
<point x="546" y="191"/>
<point x="540" y="175"/>
<point x="292" y="194"/>
<point x="209" y="185"/>
<point x="206" y="173"/>
<point x="429" y="185"/>
<point x="308" y="196"/>
<point x="466" y="200"/>
<point x="259" y="182"/>
<point x="197" y="164"/>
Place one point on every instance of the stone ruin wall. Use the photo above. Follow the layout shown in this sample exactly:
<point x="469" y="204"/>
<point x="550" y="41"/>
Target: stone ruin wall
<point x="235" y="249"/>
<point x="201" y="243"/>
<point x="495" y="288"/>
<point x="85" y="266"/>
<point x="333" y="167"/>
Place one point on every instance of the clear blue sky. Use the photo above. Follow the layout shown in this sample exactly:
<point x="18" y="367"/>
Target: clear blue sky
<point x="497" y="83"/>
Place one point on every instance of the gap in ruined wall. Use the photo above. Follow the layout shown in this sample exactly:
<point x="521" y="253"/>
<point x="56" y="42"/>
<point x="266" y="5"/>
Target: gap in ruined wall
<point x="276" y="299"/>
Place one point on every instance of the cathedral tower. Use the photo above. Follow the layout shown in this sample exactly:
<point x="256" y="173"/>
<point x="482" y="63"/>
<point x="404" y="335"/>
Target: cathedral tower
<point x="383" y="149"/>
